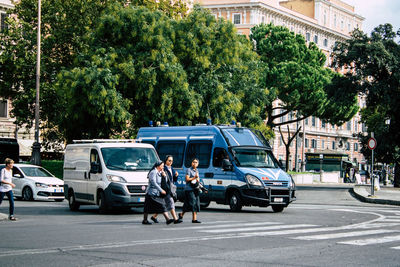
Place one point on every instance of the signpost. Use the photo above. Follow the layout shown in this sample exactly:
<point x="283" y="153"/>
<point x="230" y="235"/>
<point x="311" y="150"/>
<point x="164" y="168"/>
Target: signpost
<point x="372" y="145"/>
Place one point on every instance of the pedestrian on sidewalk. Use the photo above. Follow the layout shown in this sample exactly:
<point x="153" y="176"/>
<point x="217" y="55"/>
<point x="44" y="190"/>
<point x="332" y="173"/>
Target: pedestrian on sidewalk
<point x="192" y="192"/>
<point x="357" y="176"/>
<point x="6" y="186"/>
<point x="154" y="200"/>
<point x="168" y="184"/>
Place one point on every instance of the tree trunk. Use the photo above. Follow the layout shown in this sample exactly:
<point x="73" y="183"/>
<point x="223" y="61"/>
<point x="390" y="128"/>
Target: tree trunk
<point x="287" y="156"/>
<point x="397" y="175"/>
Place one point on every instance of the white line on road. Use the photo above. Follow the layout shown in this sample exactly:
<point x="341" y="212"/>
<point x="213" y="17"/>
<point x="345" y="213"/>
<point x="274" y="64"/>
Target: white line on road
<point x="344" y="235"/>
<point x="372" y="241"/>
<point x="248" y="229"/>
<point x="219" y="226"/>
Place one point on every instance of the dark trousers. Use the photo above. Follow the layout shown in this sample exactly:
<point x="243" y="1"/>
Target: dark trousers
<point x="10" y="196"/>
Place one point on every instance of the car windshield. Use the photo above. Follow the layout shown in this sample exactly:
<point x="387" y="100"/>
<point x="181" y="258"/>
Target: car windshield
<point x="129" y="158"/>
<point x="254" y="157"/>
<point x="35" y="172"/>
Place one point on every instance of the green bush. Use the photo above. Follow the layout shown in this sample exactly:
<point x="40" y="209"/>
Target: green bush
<point x="54" y="166"/>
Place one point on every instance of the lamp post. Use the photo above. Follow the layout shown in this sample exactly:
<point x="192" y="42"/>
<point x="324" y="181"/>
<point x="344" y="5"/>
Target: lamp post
<point x="36" y="145"/>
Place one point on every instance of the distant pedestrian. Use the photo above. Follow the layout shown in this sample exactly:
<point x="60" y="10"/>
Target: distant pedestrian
<point x="6" y="186"/>
<point x="168" y="185"/>
<point x="154" y="200"/>
<point x="192" y="192"/>
<point x="357" y="176"/>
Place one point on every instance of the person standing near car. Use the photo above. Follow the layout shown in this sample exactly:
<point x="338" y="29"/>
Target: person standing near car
<point x="6" y="186"/>
<point x="192" y="192"/>
<point x="154" y="200"/>
<point x="168" y="185"/>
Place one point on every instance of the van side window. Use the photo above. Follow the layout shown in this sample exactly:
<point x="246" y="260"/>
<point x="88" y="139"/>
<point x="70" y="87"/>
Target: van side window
<point x="218" y="156"/>
<point x="200" y="150"/>
<point x="176" y="149"/>
<point x="94" y="158"/>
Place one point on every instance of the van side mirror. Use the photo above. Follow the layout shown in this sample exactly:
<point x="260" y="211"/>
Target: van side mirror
<point x="95" y="167"/>
<point x="227" y="165"/>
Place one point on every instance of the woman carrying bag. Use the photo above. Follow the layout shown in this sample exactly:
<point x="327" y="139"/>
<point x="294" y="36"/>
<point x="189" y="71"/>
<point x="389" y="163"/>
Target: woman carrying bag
<point x="154" y="201"/>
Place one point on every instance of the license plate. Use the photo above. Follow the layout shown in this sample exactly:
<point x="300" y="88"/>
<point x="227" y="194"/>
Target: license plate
<point x="141" y="199"/>
<point x="58" y="190"/>
<point x="278" y="199"/>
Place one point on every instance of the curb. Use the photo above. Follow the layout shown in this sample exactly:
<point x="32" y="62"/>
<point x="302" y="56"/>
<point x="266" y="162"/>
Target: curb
<point x="373" y="200"/>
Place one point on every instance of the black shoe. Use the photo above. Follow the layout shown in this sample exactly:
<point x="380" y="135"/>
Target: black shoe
<point x="146" y="222"/>
<point x="180" y="216"/>
<point x="12" y="218"/>
<point x="154" y="219"/>
<point x="170" y="221"/>
<point x="196" y="221"/>
<point x="178" y="221"/>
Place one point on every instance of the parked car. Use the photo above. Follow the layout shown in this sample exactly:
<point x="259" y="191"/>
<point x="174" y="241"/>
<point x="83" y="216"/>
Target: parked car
<point x="36" y="183"/>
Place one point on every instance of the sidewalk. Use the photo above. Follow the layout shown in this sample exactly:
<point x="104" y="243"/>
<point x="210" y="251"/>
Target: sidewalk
<point x="388" y="195"/>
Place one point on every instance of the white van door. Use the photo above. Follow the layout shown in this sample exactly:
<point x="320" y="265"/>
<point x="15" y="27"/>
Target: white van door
<point x="94" y="176"/>
<point x="76" y="168"/>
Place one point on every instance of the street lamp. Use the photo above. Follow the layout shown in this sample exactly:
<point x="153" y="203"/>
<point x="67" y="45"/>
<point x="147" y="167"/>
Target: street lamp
<point x="36" y="145"/>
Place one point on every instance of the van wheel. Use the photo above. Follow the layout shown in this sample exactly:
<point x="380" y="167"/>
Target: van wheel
<point x="102" y="203"/>
<point x="27" y="194"/>
<point x="277" y="208"/>
<point x="235" y="202"/>
<point x="73" y="205"/>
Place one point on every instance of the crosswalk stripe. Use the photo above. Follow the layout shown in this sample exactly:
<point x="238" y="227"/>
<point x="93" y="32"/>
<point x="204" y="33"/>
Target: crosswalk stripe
<point x="345" y="234"/>
<point x="391" y="220"/>
<point x="395" y="247"/>
<point x="220" y="226"/>
<point x="371" y="241"/>
<point x="248" y="229"/>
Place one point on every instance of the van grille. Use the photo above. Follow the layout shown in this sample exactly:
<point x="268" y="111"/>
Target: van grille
<point x="137" y="189"/>
<point x="276" y="183"/>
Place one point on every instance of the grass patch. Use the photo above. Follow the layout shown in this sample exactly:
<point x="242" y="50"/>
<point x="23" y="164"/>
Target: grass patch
<point x="54" y="166"/>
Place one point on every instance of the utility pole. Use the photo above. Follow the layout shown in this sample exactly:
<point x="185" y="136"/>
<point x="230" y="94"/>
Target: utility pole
<point x="36" y="145"/>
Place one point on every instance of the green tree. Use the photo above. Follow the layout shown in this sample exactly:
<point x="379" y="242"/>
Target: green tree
<point x="374" y="71"/>
<point x="295" y="75"/>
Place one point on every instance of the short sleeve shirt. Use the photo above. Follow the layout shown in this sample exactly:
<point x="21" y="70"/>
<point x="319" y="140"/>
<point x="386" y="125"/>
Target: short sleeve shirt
<point x="5" y="176"/>
<point x="191" y="174"/>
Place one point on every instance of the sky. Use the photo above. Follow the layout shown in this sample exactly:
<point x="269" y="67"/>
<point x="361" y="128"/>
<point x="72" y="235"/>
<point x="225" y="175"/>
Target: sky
<point x="377" y="12"/>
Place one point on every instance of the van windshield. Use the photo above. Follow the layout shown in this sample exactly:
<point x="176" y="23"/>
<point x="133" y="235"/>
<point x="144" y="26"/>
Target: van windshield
<point x="254" y="157"/>
<point x="129" y="158"/>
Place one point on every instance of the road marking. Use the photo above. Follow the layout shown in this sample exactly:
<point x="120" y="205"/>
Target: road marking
<point x="248" y="229"/>
<point x="371" y="241"/>
<point x="344" y="235"/>
<point x="219" y="226"/>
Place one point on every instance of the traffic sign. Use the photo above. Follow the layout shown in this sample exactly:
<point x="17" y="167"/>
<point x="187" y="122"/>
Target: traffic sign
<point x="372" y="143"/>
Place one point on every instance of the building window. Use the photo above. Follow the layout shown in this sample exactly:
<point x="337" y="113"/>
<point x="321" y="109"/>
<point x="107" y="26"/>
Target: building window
<point x="334" y="21"/>
<point x="316" y="39"/>
<point x="342" y="25"/>
<point x="306" y="121"/>
<point x="356" y="126"/>
<point x="313" y="121"/>
<point x="349" y="126"/>
<point x="3" y="108"/>
<point x="355" y="147"/>
<point x="333" y="145"/>
<point x="313" y="143"/>
<point x="347" y="146"/>
<point x="322" y="144"/>
<point x="3" y="23"/>
<point x="306" y="142"/>
<point x="323" y="124"/>
<point x="308" y="36"/>
<point x="326" y="42"/>
<point x="237" y="18"/>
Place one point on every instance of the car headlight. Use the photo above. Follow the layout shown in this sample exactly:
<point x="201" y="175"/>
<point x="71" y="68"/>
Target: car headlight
<point x="115" y="178"/>
<point x="41" y="185"/>
<point x="252" y="180"/>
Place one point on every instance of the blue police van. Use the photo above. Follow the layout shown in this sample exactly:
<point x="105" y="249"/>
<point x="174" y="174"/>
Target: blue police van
<point x="236" y="164"/>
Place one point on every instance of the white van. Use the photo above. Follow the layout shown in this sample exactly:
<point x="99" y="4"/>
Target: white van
<point x="107" y="173"/>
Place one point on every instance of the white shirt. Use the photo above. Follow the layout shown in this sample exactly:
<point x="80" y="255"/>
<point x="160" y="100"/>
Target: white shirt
<point x="6" y="175"/>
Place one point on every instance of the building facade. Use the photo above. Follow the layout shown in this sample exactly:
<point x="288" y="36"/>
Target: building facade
<point x="323" y="22"/>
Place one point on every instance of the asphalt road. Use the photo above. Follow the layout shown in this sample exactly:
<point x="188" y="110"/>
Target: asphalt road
<point x="325" y="227"/>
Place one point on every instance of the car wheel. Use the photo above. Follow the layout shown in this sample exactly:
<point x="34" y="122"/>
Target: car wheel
<point x="27" y="194"/>
<point x="235" y="202"/>
<point x="102" y="203"/>
<point x="276" y="208"/>
<point x="73" y="205"/>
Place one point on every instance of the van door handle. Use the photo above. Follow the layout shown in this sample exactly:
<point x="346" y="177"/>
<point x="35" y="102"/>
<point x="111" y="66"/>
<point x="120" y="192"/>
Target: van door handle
<point x="208" y="175"/>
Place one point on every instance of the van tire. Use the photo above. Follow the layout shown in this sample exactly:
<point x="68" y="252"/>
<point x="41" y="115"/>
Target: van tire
<point x="235" y="201"/>
<point x="72" y="203"/>
<point x="277" y="208"/>
<point x="27" y="194"/>
<point x="102" y="202"/>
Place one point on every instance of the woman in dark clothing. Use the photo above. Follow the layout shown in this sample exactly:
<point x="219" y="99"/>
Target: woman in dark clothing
<point x="192" y="191"/>
<point x="154" y="202"/>
<point x="168" y="185"/>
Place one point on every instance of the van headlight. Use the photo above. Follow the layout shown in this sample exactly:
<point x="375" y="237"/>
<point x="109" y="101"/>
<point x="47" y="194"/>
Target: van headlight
<point x="41" y="185"/>
<point x="115" y="178"/>
<point x="253" y="180"/>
